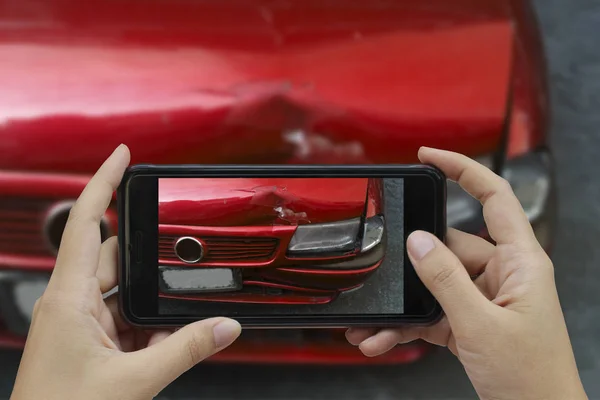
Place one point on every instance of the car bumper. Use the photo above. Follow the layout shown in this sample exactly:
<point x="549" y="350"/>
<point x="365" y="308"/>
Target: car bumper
<point x="303" y="284"/>
<point x="326" y="346"/>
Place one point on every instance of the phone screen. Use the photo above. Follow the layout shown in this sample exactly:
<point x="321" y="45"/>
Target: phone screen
<point x="276" y="245"/>
<point x="269" y="246"/>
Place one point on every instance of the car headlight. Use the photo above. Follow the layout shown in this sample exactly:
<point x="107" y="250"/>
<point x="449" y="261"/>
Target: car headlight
<point x="336" y="237"/>
<point x="530" y="178"/>
<point x="373" y="233"/>
<point x="331" y="237"/>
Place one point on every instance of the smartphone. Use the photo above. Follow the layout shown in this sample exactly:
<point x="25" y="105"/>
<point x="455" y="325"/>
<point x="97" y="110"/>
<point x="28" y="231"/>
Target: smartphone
<point x="276" y="246"/>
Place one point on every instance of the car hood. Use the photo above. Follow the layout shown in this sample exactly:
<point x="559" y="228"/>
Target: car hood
<point x="248" y="201"/>
<point x="221" y="82"/>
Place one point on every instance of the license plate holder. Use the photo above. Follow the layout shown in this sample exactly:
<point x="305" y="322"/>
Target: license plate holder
<point x="187" y="280"/>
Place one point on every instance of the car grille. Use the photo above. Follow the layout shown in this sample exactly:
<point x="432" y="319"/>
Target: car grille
<point x="21" y="222"/>
<point x="220" y="249"/>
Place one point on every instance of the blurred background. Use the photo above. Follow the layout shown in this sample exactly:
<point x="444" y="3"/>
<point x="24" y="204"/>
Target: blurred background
<point x="198" y="81"/>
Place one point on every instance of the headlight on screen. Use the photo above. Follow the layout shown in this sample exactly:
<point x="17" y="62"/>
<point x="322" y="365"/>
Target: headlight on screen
<point x="530" y="178"/>
<point x="336" y="237"/>
<point x="373" y="233"/>
<point x="325" y="238"/>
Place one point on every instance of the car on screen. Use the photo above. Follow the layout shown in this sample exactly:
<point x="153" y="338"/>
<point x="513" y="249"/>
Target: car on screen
<point x="305" y="82"/>
<point x="268" y="240"/>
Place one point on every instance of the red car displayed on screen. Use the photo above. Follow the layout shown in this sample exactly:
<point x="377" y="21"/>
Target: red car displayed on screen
<point x="268" y="240"/>
<point x="259" y="82"/>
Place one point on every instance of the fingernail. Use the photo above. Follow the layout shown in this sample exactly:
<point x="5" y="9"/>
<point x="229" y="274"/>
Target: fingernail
<point x="419" y="244"/>
<point x="226" y="332"/>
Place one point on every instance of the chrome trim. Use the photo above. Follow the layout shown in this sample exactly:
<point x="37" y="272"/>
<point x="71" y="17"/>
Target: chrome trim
<point x="200" y="247"/>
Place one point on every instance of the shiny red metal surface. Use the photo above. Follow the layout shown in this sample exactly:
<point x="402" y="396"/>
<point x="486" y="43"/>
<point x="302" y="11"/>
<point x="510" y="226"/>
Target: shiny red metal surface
<point x="530" y="114"/>
<point x="26" y="202"/>
<point x="278" y="352"/>
<point x="345" y="81"/>
<point x="248" y="236"/>
<point x="267" y="212"/>
<point x="214" y="82"/>
<point x="276" y="238"/>
<point x="224" y="249"/>
<point x="340" y="353"/>
<point x="259" y="201"/>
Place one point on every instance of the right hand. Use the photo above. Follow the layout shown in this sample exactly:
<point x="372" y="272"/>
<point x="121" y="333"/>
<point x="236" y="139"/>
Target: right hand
<point x="505" y="326"/>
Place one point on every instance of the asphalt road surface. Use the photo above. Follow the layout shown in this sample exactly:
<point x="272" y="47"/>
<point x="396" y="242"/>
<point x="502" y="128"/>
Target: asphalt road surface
<point x="572" y="35"/>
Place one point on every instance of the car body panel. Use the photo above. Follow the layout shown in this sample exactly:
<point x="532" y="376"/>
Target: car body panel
<point x="249" y="223"/>
<point x="270" y="83"/>
<point x="345" y="81"/>
<point x="260" y="201"/>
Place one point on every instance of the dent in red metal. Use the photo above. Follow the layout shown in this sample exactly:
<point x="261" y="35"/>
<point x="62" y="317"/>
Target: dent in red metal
<point x="259" y="201"/>
<point x="300" y="82"/>
<point x="207" y="209"/>
<point x="436" y="75"/>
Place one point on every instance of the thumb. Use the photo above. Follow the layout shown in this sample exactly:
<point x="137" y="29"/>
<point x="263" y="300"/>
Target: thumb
<point x="445" y="277"/>
<point x="166" y="360"/>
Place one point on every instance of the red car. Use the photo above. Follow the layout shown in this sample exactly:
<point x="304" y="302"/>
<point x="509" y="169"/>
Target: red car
<point x="265" y="81"/>
<point x="269" y="240"/>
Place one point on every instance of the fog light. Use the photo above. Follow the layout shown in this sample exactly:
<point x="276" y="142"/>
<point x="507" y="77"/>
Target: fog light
<point x="189" y="250"/>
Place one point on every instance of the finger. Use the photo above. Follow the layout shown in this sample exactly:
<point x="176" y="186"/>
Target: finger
<point x="505" y="219"/>
<point x="446" y="278"/>
<point x="107" y="266"/>
<point x="158" y="336"/>
<point x="473" y="251"/>
<point x="80" y="245"/>
<point x="356" y="336"/>
<point x="112" y="303"/>
<point x="168" y="359"/>
<point x="108" y="323"/>
<point x="386" y="339"/>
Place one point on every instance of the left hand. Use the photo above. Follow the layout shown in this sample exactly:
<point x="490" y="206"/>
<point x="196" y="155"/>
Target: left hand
<point x="78" y="346"/>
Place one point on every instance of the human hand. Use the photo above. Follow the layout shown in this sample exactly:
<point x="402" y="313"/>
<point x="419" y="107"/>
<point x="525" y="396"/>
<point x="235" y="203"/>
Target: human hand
<point x="78" y="347"/>
<point x="502" y="313"/>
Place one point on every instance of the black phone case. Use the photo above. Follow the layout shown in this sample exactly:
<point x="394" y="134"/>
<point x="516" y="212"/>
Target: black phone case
<point x="316" y="171"/>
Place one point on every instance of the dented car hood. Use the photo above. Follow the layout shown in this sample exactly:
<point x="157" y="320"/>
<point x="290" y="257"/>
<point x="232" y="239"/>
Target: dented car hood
<point x="250" y="82"/>
<point x="264" y="201"/>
